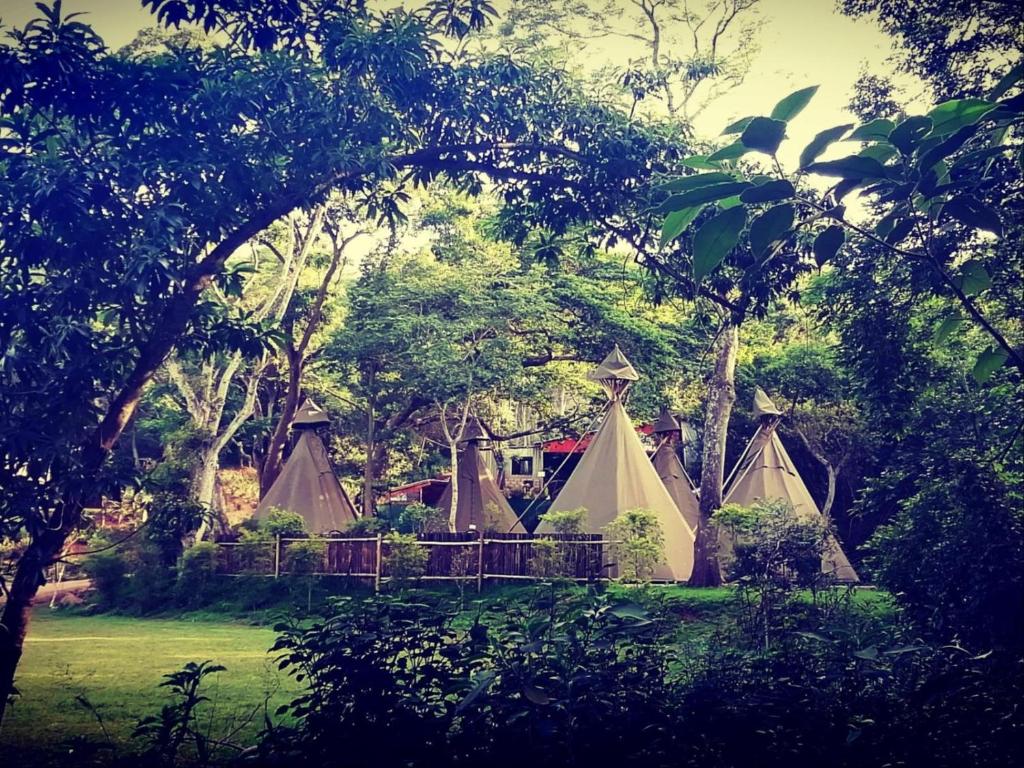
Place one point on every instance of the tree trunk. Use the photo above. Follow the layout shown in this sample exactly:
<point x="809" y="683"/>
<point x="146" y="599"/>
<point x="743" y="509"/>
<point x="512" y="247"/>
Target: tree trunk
<point x="454" y="508"/>
<point x="721" y="396"/>
<point x="830" y="498"/>
<point x="204" y="481"/>
<point x="369" y="471"/>
<point x="274" y="458"/>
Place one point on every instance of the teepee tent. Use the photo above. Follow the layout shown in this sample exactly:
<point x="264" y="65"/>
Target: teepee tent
<point x="307" y="484"/>
<point x="615" y="475"/>
<point x="481" y="503"/>
<point x="765" y="471"/>
<point x="667" y="431"/>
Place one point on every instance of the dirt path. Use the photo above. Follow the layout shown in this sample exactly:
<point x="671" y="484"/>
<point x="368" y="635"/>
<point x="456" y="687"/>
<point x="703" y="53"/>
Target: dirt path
<point x="48" y="590"/>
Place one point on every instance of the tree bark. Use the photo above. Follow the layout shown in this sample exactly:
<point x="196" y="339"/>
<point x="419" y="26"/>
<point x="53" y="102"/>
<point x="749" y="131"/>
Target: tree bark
<point x="721" y="396"/>
<point x="369" y="471"/>
<point x="453" y="508"/>
<point x="274" y="457"/>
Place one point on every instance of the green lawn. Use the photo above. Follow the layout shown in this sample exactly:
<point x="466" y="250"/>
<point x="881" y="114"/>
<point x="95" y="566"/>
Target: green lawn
<point x="78" y="670"/>
<point x="116" y="663"/>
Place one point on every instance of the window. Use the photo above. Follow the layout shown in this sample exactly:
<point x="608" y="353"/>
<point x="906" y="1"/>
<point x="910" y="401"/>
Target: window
<point x="522" y="465"/>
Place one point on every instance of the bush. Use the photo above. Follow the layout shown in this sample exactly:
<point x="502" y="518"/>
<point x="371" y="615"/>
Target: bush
<point x="405" y="559"/>
<point x="255" y="552"/>
<point x="952" y="555"/>
<point x="565" y="520"/>
<point x="282" y="522"/>
<point x="367" y="525"/>
<point x="419" y="518"/>
<point x="108" y="571"/>
<point x="304" y="558"/>
<point x="197" y="572"/>
<point x="640" y="544"/>
<point x="771" y="542"/>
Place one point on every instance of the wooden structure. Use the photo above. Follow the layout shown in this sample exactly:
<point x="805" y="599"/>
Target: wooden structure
<point x="452" y="556"/>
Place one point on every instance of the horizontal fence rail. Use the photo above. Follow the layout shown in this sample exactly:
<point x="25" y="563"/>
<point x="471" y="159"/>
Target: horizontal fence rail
<point x="449" y="556"/>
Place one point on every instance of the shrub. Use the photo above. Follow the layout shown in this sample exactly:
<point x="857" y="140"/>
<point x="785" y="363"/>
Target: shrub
<point x="367" y="525"/>
<point x="952" y="555"/>
<point x="565" y="520"/>
<point x="640" y="544"/>
<point x="419" y="518"/>
<point x="304" y="558"/>
<point x="108" y="571"/>
<point x="282" y="522"/>
<point x="255" y="552"/>
<point x="405" y="559"/>
<point x="197" y="572"/>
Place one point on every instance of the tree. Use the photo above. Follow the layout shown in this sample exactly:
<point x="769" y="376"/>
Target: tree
<point x="205" y="384"/>
<point x="688" y="53"/>
<point x="129" y="181"/>
<point x="960" y="48"/>
<point x="298" y="349"/>
<point x="931" y="176"/>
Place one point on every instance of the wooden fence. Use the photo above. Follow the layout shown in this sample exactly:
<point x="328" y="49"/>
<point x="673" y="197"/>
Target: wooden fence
<point x="450" y="556"/>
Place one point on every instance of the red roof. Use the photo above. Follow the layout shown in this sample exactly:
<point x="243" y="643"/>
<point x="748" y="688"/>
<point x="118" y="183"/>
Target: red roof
<point x="579" y="445"/>
<point x="415" y="486"/>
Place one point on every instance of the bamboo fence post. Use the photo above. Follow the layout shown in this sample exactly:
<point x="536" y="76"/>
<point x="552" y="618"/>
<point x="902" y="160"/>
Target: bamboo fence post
<point x="277" y="555"/>
<point x="480" y="563"/>
<point x="379" y="551"/>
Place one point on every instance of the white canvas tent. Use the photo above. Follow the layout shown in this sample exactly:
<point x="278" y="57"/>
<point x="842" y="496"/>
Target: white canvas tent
<point x="481" y="503"/>
<point x="667" y="431"/>
<point x="615" y="475"/>
<point x="307" y="484"/>
<point x="765" y="471"/>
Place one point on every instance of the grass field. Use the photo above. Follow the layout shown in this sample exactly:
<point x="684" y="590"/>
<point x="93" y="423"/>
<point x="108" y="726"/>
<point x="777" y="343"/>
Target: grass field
<point x="80" y="670"/>
<point x="116" y="664"/>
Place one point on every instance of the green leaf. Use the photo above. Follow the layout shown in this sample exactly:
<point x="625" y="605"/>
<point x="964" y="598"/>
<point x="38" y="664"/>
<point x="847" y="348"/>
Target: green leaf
<point x="700" y="162"/>
<point x="974" y="278"/>
<point x="700" y="195"/>
<point x="770" y="226"/>
<point x="880" y="152"/>
<point x="906" y="136"/>
<point x="850" y="167"/>
<point x="793" y="105"/>
<point x="732" y="152"/>
<point x="738" y="126"/>
<point x="821" y="142"/>
<point x="876" y="130"/>
<point x="969" y="210"/>
<point x="764" y="134"/>
<point x="1007" y="81"/>
<point x="951" y="116"/>
<point x="730" y="202"/>
<point x="684" y="183"/>
<point x="828" y="243"/>
<point x="778" y="189"/>
<point x="988" y="362"/>
<point x="715" y="238"/>
<point x="535" y="695"/>
<point x="947" y="327"/>
<point x="677" y="221"/>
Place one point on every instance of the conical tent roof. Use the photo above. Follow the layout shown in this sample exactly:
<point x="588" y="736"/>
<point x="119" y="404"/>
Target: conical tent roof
<point x="308" y="486"/>
<point x="481" y="502"/>
<point x="672" y="473"/>
<point x="667" y="423"/>
<point x="310" y="415"/>
<point x="615" y="475"/>
<point x="765" y="471"/>
<point x="615" y="373"/>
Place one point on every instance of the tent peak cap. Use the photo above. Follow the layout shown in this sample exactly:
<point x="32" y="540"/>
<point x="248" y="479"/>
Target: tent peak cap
<point x="763" y="405"/>
<point x="615" y="366"/>
<point x="667" y="422"/>
<point x="310" y="415"/>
